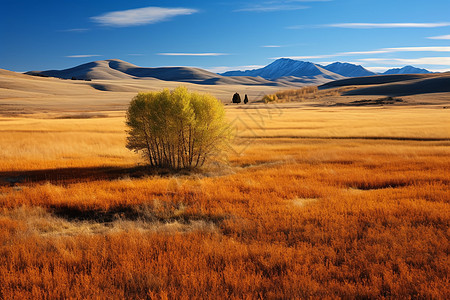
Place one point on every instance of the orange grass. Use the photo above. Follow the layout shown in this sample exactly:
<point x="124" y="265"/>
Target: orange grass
<point x="289" y="218"/>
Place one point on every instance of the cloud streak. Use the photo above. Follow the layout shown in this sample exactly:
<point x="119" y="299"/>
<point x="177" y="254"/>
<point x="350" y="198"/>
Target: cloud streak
<point x="82" y="55"/>
<point x="224" y="69"/>
<point x="387" y="25"/>
<point x="193" y="54"/>
<point x="438" y="61"/>
<point x="277" y="5"/>
<point x="270" y="8"/>
<point x="373" y="25"/>
<point x="419" y="49"/>
<point x="75" y="30"/>
<point x="379" y="51"/>
<point x="440" y="37"/>
<point x="140" y="16"/>
<point x="377" y="69"/>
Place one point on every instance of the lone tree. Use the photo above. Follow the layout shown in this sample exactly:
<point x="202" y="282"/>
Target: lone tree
<point x="245" y="99"/>
<point x="236" y="98"/>
<point x="177" y="129"/>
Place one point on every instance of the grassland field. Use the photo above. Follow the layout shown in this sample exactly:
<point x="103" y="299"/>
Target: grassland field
<point x="314" y="202"/>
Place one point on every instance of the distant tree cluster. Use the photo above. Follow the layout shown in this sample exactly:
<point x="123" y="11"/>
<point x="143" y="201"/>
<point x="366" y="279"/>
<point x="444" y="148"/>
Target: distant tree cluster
<point x="237" y="98"/>
<point x="177" y="129"/>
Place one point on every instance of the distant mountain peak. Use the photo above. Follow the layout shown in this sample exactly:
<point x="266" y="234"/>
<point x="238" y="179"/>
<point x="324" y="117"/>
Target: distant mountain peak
<point x="285" y="67"/>
<point x="348" y="69"/>
<point x="406" y="70"/>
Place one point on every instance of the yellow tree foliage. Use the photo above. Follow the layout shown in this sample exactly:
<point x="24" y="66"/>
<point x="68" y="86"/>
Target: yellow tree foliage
<point x="177" y="129"/>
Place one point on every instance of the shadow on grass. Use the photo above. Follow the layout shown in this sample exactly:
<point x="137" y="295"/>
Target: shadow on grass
<point x="74" y="175"/>
<point x="144" y="213"/>
<point x="369" y="186"/>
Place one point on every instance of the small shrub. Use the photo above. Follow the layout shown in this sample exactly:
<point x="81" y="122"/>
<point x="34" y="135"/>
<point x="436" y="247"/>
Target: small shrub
<point x="270" y="98"/>
<point x="177" y="129"/>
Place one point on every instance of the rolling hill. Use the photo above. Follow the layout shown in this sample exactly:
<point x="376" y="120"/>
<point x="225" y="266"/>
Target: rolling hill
<point x="372" y="80"/>
<point x="117" y="69"/>
<point x="23" y="94"/>
<point x="114" y="69"/>
<point x="93" y="70"/>
<point x="440" y="84"/>
<point x="394" y="85"/>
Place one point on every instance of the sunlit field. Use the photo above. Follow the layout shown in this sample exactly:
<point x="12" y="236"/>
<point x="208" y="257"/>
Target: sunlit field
<point x="321" y="202"/>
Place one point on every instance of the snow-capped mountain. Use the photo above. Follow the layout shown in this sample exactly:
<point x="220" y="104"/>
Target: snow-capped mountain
<point x="284" y="67"/>
<point x="406" y="70"/>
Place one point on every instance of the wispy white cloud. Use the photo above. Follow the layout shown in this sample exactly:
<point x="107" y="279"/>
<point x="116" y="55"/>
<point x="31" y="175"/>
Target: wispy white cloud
<point x="224" y="69"/>
<point x="379" y="51"/>
<point x="440" y="37"/>
<point x="377" y="69"/>
<point x="192" y="54"/>
<point x="334" y="55"/>
<point x="270" y="7"/>
<point x="419" y="49"/>
<point x="385" y="68"/>
<point x="388" y="25"/>
<point x="438" y="61"/>
<point x="299" y="27"/>
<point x="303" y="26"/>
<point x="75" y="30"/>
<point x="439" y="70"/>
<point x="373" y="25"/>
<point x="364" y="52"/>
<point x="277" y="5"/>
<point x="324" y="63"/>
<point x="83" y="55"/>
<point x="140" y="16"/>
<point x="282" y="46"/>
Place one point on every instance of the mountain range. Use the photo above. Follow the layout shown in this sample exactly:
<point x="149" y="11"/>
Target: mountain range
<point x="281" y="72"/>
<point x="289" y="67"/>
<point x="406" y="70"/>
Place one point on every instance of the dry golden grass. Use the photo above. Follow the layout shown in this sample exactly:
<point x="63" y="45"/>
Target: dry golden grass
<point x="305" y="94"/>
<point x="336" y="97"/>
<point x="316" y="202"/>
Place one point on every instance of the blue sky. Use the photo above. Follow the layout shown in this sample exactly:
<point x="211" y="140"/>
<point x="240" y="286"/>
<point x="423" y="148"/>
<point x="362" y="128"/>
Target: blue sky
<point x="224" y="35"/>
